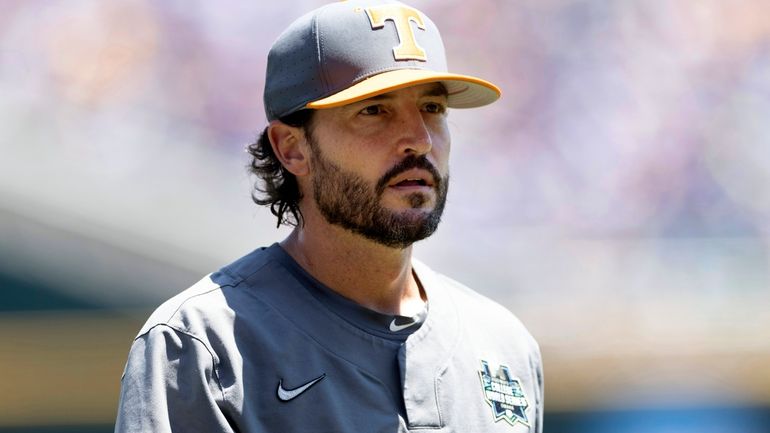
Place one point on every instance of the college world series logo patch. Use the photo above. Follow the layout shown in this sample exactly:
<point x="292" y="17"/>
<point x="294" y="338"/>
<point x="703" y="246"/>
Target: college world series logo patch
<point x="505" y="394"/>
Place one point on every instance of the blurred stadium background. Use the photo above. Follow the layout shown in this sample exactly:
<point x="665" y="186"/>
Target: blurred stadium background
<point x="617" y="198"/>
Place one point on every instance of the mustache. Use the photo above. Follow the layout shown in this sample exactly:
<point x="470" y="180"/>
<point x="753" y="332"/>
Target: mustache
<point x="408" y="163"/>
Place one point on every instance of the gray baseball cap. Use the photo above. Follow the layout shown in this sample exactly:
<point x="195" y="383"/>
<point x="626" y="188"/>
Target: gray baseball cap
<point x="352" y="50"/>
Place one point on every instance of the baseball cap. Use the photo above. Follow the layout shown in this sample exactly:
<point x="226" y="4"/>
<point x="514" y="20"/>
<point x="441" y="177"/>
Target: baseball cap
<point x="352" y="50"/>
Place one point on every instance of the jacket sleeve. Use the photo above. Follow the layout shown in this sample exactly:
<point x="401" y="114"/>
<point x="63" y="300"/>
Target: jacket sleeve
<point x="170" y="384"/>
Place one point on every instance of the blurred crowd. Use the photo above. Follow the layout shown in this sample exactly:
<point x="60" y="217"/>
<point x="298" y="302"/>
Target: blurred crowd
<point x="629" y="118"/>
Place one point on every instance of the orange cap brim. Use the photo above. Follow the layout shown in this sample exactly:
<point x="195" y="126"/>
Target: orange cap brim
<point x="463" y="91"/>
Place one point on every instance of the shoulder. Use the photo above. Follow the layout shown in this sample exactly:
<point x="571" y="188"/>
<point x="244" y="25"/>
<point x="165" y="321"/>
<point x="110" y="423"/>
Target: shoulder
<point x="172" y="312"/>
<point x="210" y="303"/>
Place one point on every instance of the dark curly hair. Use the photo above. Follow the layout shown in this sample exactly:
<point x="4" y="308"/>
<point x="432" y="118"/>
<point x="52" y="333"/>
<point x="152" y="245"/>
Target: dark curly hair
<point x="275" y="186"/>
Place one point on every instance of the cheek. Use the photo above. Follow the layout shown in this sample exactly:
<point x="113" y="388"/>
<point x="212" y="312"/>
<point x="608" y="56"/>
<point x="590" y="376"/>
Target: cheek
<point x="357" y="161"/>
<point x="441" y="147"/>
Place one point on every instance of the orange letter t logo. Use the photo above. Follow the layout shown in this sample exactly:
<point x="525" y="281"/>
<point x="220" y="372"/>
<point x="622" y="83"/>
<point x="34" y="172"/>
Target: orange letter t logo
<point x="401" y="16"/>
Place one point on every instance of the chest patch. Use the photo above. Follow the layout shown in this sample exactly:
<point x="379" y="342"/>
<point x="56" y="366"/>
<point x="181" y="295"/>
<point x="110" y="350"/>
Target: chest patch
<point x="504" y="394"/>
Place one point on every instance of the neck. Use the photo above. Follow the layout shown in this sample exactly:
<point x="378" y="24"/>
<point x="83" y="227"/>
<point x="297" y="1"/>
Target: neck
<point x="375" y="276"/>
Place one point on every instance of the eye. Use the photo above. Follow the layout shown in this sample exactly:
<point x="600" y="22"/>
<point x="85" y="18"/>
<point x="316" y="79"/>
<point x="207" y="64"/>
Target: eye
<point x="371" y="110"/>
<point x="434" y="108"/>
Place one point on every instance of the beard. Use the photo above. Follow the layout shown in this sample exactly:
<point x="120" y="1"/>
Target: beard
<point x="348" y="201"/>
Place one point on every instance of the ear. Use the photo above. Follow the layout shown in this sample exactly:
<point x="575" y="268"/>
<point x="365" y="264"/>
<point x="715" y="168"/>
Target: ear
<point x="290" y="146"/>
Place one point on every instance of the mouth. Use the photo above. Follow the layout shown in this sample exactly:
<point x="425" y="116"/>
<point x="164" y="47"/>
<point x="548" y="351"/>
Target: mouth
<point x="411" y="182"/>
<point x="414" y="178"/>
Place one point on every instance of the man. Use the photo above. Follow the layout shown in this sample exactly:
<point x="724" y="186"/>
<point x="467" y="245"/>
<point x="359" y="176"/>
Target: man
<point x="337" y="328"/>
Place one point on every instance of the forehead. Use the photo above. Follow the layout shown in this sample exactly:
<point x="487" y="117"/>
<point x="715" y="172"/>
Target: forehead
<point x="418" y="90"/>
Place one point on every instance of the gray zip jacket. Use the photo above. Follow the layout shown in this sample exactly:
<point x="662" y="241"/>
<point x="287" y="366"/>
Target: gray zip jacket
<point x="250" y="349"/>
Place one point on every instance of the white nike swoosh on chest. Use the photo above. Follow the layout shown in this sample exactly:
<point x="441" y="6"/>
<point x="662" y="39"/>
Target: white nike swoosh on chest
<point x="396" y="328"/>
<point x="290" y="394"/>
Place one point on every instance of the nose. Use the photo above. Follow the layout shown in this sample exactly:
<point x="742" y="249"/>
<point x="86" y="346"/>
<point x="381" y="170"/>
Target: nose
<point x="415" y="135"/>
